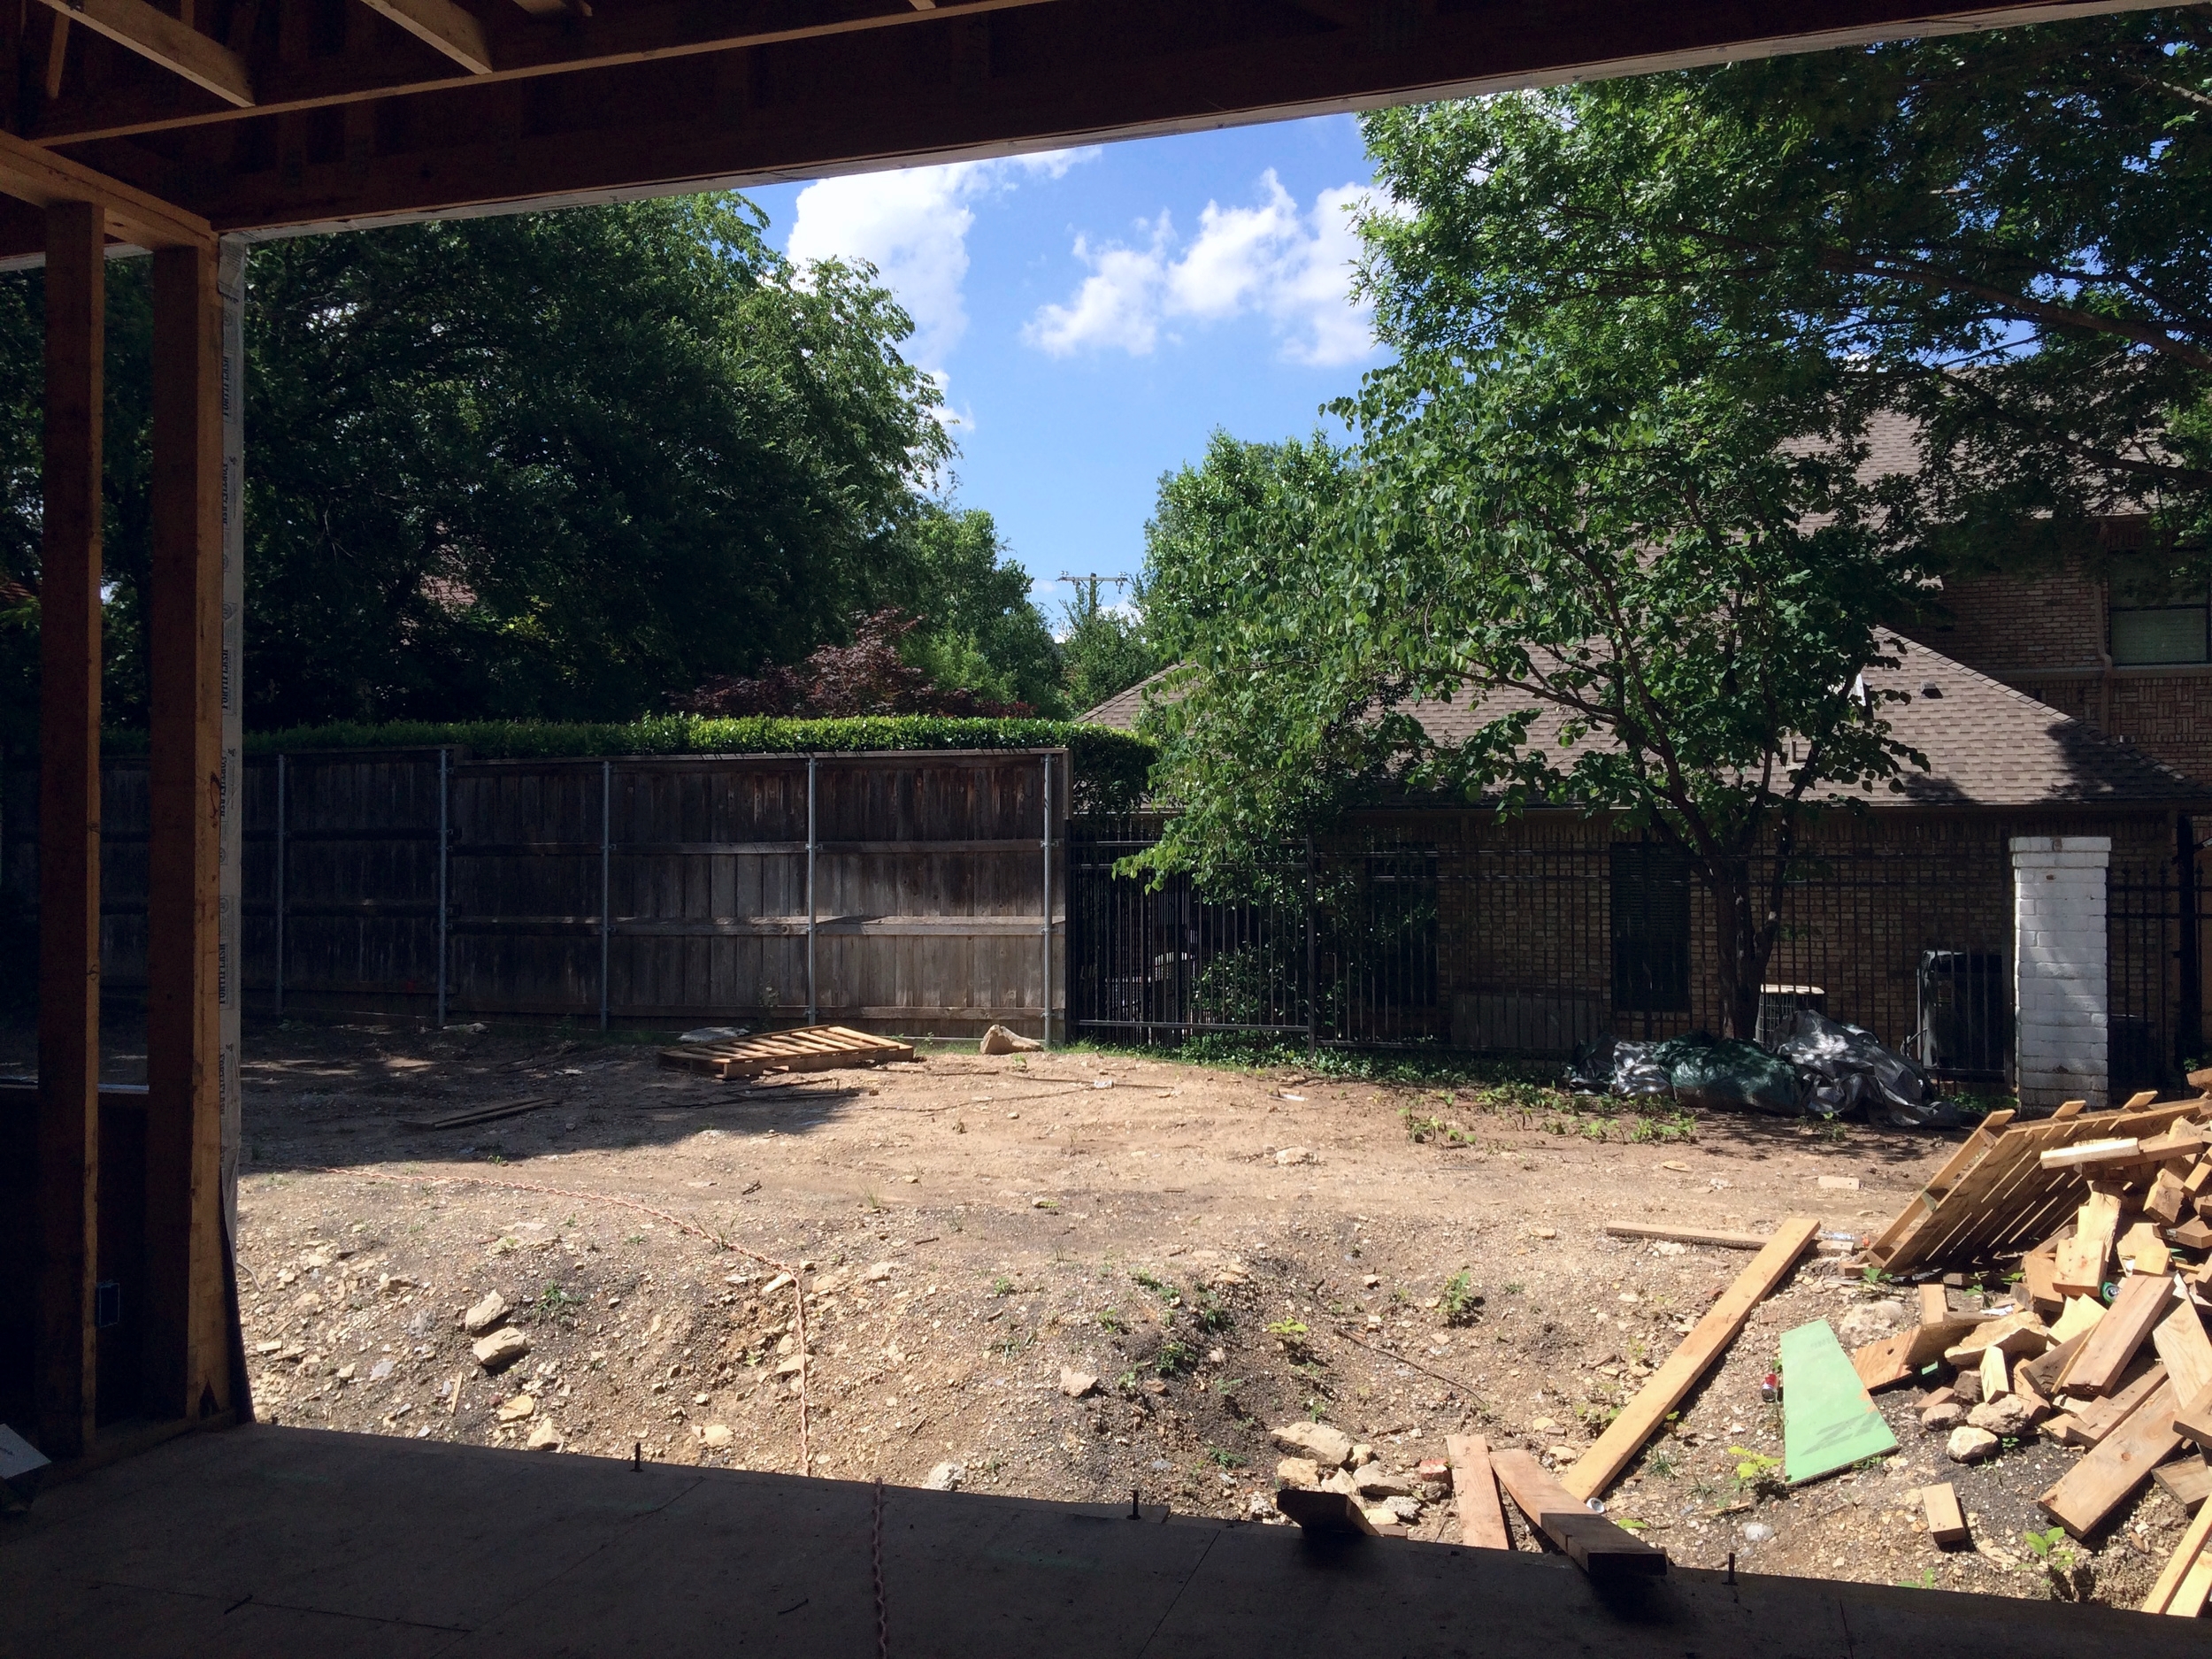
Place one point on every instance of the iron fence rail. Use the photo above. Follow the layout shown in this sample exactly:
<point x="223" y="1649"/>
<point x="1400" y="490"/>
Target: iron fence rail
<point x="1537" y="945"/>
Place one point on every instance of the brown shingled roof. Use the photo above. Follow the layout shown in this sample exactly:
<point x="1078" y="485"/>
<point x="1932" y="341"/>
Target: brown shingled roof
<point x="1987" y="745"/>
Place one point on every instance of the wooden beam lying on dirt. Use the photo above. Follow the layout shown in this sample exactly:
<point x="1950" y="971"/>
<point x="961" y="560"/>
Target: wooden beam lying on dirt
<point x="1599" y="1467"/>
<point x="2180" y="1567"/>
<point x="480" y="1115"/>
<point x="1325" y="1511"/>
<point x="1946" y="1523"/>
<point x="2187" y="1482"/>
<point x="1591" y="1541"/>
<point x="1895" y="1359"/>
<point x="2122" y="1461"/>
<point x="2097" y="1419"/>
<point x="2142" y="1302"/>
<point x="2193" y="1420"/>
<point x="1688" y="1235"/>
<point x="1475" y="1488"/>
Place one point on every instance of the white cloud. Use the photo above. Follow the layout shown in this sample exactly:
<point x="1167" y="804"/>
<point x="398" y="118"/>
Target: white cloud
<point x="912" y="226"/>
<point x="1293" y="268"/>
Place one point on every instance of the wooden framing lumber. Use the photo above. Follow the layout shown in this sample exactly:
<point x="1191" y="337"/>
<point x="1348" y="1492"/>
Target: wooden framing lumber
<point x="2179" y="1564"/>
<point x="66" y="1369"/>
<point x="441" y="26"/>
<point x="2182" y="1344"/>
<point x="481" y="1115"/>
<point x="803" y="1048"/>
<point x="187" y="1351"/>
<point x="1896" y="1359"/>
<point x="2187" y="1481"/>
<point x="2119" y="1463"/>
<point x="1475" y="1492"/>
<point x="1947" y="1522"/>
<point x="42" y="178"/>
<point x="161" y="39"/>
<point x="1687" y="1235"/>
<point x="2142" y="1302"/>
<point x="2120" y="1150"/>
<point x="2097" y="1419"/>
<point x="2193" y="1420"/>
<point x="1935" y="1304"/>
<point x="1599" y="1467"/>
<point x="2044" y="1371"/>
<point x="1591" y="1541"/>
<point x="1993" y="1194"/>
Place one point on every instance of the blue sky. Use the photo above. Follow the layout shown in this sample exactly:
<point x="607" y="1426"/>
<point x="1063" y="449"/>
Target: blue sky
<point x="1094" y="314"/>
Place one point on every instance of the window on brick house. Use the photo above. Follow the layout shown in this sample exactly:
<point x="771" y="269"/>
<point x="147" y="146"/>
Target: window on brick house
<point x="2155" y="618"/>
<point x="1651" y="929"/>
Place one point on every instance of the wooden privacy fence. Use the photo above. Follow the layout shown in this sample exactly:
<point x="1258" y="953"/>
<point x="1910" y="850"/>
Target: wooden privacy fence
<point x="918" y="891"/>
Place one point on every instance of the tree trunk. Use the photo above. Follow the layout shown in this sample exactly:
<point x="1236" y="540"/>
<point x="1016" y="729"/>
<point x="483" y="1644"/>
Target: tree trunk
<point x="1743" y="946"/>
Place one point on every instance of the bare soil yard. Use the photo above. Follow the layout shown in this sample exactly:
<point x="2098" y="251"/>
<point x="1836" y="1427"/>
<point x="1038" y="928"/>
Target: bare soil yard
<point x="1225" y="1251"/>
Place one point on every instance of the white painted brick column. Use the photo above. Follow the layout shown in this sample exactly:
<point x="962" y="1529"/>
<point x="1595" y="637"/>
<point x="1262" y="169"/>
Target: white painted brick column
<point x="2059" y="983"/>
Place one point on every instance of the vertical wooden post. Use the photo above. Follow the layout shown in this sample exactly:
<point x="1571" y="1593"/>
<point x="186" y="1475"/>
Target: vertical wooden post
<point x="187" y="1330"/>
<point x="69" y="830"/>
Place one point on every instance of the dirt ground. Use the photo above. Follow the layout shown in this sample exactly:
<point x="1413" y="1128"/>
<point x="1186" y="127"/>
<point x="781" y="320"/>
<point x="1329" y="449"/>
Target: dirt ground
<point x="1225" y="1250"/>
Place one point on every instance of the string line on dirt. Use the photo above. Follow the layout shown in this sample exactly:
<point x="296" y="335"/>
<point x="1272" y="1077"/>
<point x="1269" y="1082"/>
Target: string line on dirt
<point x="1466" y="1388"/>
<point x="798" y="1286"/>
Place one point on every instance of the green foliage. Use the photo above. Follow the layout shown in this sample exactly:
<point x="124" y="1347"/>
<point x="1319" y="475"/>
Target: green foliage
<point x="1104" y="651"/>
<point x="1460" y="1303"/>
<point x="979" y="632"/>
<point x="1755" y="1472"/>
<point x="2004" y="235"/>
<point x="1110" y="767"/>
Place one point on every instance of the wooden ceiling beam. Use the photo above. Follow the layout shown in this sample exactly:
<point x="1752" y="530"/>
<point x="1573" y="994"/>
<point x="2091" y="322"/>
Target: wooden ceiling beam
<point x="1072" y="72"/>
<point x="161" y="39"/>
<point x="510" y="43"/>
<point x="443" y="27"/>
<point x="42" y="179"/>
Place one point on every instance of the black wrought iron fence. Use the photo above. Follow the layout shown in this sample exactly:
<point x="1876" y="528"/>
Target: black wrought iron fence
<point x="1538" y="943"/>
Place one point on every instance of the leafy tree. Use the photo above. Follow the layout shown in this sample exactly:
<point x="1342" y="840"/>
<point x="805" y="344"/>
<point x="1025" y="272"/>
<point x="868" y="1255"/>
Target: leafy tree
<point x="979" y="630"/>
<point x="1621" y="551"/>
<point x="2005" y="235"/>
<point x="870" y="676"/>
<point x="1105" y="650"/>
<point x="567" y="463"/>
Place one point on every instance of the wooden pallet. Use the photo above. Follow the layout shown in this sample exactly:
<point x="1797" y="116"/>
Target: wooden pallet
<point x="803" y="1049"/>
<point x="1994" y="1195"/>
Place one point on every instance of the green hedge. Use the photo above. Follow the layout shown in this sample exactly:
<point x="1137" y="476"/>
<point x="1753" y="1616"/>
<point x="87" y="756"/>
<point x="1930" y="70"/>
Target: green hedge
<point x="1110" y="767"/>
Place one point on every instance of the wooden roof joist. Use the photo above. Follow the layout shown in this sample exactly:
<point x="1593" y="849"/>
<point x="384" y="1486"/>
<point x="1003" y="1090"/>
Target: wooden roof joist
<point x="163" y="40"/>
<point x="39" y="179"/>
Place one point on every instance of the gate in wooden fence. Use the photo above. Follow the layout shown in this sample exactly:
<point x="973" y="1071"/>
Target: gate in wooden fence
<point x="916" y="891"/>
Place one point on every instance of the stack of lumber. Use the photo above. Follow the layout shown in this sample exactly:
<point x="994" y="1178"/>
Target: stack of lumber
<point x="803" y="1049"/>
<point x="2102" y="1222"/>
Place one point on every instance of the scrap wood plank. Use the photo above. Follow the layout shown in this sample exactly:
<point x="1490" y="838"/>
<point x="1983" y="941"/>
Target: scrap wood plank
<point x="1935" y="1304"/>
<point x="2142" y="1302"/>
<point x="2194" y="1418"/>
<point x="806" y="1048"/>
<point x="2180" y="1564"/>
<point x="1602" y="1464"/>
<point x="2120" y="1150"/>
<point x="2120" y="1463"/>
<point x="1688" y="1235"/>
<point x="2186" y="1482"/>
<point x="1591" y="1541"/>
<point x="1894" y="1359"/>
<point x="2044" y="1371"/>
<point x="1325" y="1511"/>
<point x="2196" y="1586"/>
<point x="1994" y="1192"/>
<point x="2181" y="1342"/>
<point x="2097" y="1419"/>
<point x="1475" y="1487"/>
<point x="1829" y="1421"/>
<point x="1946" y="1523"/>
<point x="480" y="1115"/>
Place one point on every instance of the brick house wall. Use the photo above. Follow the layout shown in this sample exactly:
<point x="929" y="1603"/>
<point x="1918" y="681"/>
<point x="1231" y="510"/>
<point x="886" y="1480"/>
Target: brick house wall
<point x="2044" y="634"/>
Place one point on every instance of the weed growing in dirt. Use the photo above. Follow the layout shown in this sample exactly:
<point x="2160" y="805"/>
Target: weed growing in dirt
<point x="1756" y="1473"/>
<point x="1661" y="1465"/>
<point x="1159" y="1288"/>
<point x="1214" y="1316"/>
<point x="1110" y="1319"/>
<point x="1926" y="1581"/>
<point x="1175" y="1358"/>
<point x="1220" y="1459"/>
<point x="1460" y="1304"/>
<point x="1514" y="1287"/>
<point x="1002" y="1285"/>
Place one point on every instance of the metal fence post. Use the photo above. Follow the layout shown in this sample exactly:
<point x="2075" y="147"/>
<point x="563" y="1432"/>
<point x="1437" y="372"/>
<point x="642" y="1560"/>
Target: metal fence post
<point x="1045" y="1024"/>
<point x="813" y="1003"/>
<point x="445" y="774"/>
<point x="1313" y="982"/>
<point x="606" y="881"/>
<point x="282" y="849"/>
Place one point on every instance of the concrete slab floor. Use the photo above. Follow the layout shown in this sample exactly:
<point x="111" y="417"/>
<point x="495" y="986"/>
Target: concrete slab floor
<point x="268" y="1540"/>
